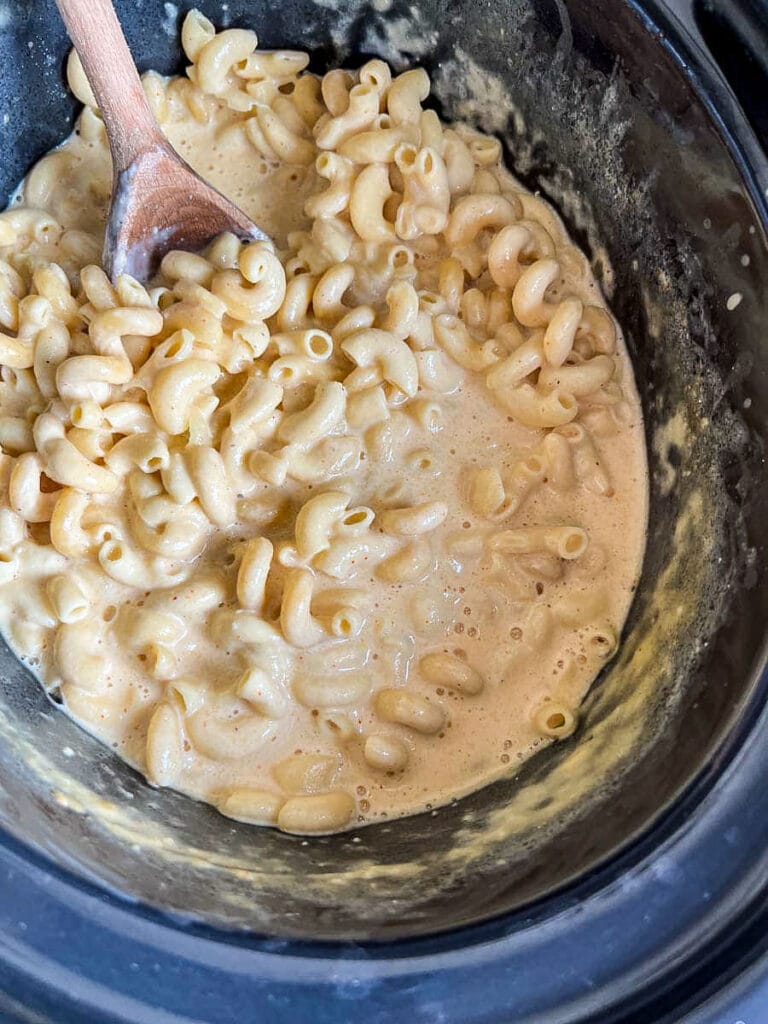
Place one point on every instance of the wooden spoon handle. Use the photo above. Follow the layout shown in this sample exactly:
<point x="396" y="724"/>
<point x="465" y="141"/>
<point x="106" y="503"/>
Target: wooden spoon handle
<point x="94" y="29"/>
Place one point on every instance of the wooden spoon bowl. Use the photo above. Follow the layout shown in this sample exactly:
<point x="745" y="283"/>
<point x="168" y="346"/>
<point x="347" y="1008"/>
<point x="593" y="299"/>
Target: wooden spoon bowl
<point x="158" y="202"/>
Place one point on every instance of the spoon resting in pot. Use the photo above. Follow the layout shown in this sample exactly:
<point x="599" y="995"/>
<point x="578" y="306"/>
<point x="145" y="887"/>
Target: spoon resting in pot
<point x="158" y="202"/>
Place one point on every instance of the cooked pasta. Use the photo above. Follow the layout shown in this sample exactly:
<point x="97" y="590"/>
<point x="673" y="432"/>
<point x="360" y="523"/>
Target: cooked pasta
<point x="328" y="530"/>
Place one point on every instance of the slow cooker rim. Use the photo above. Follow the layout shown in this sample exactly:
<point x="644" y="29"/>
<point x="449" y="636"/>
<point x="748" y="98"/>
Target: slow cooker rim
<point x="678" y="33"/>
<point x="722" y="107"/>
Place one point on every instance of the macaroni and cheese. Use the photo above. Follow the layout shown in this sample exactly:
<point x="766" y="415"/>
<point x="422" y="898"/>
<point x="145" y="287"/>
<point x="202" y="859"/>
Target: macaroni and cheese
<point x="331" y="530"/>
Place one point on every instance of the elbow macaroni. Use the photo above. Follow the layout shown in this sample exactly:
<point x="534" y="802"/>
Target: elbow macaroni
<point x="280" y="523"/>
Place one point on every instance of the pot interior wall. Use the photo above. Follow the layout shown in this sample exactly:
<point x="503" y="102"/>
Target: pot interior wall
<point x="595" y="114"/>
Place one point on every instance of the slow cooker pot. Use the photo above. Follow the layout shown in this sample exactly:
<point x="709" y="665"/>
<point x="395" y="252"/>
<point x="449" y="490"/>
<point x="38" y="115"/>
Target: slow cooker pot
<point x="619" y="876"/>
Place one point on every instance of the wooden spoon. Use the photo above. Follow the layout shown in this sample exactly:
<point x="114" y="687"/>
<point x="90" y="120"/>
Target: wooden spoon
<point x="158" y="202"/>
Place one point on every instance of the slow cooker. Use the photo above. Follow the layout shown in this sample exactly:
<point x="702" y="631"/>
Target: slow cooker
<point x="621" y="876"/>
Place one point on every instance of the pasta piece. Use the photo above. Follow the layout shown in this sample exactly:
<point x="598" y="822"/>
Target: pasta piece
<point x="318" y="419"/>
<point x="529" y="301"/>
<point x="559" y="459"/>
<point x="253" y="572"/>
<point x="331" y="692"/>
<point x="579" y="378"/>
<point x="561" y="331"/>
<point x="526" y="476"/>
<point x="67" y="599"/>
<point x="306" y="773"/>
<point x="175" y="390"/>
<point x="336" y="726"/>
<point x="263" y="693"/>
<point x="287" y="145"/>
<point x="598" y="329"/>
<point x="524" y="361"/>
<point x="405" y="96"/>
<point x="473" y="214"/>
<point x="67" y="533"/>
<point x="451" y="672"/>
<point x="409" y="709"/>
<point x="408" y="565"/>
<point x="296" y="621"/>
<point x="409" y="522"/>
<point x="538" y="410"/>
<point x="143" y="450"/>
<point x="588" y="466"/>
<point x="222" y="736"/>
<point x="568" y="542"/>
<point x="316" y="522"/>
<point x="487" y="492"/>
<point x="555" y="721"/>
<point x="340" y="173"/>
<point x="367" y="202"/>
<point x="252" y="805"/>
<point x="373" y="147"/>
<point x="209" y="475"/>
<point x="164" y="754"/>
<point x="385" y="753"/>
<point x="317" y="814"/>
<point x="218" y="57"/>
<point x="360" y="113"/>
<point x="388" y="354"/>
<point x="12" y="532"/>
<point x="25" y="495"/>
<point x="453" y="337"/>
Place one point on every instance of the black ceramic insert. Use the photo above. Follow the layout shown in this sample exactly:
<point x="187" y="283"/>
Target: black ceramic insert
<point x="667" y="198"/>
